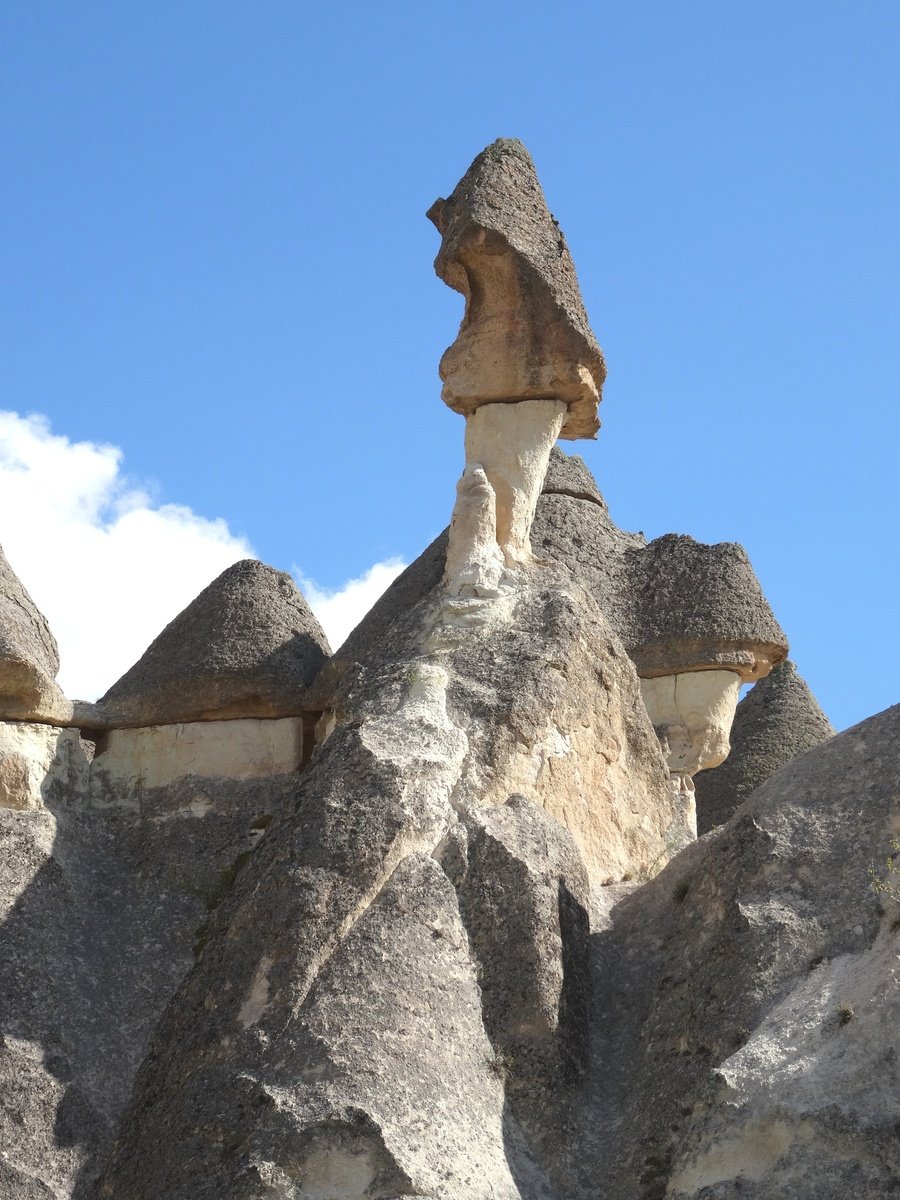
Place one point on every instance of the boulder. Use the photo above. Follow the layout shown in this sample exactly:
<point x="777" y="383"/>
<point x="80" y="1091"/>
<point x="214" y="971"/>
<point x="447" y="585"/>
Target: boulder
<point x="776" y="721"/>
<point x="247" y="646"/>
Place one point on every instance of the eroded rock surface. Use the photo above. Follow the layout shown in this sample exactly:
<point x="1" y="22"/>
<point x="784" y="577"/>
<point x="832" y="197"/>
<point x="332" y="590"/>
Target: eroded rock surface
<point x="464" y="706"/>
<point x="247" y="646"/>
<point x="747" y="999"/>
<point x="436" y="949"/>
<point x="717" y="617"/>
<point x="525" y="334"/>
<point x="106" y="888"/>
<point x="29" y="659"/>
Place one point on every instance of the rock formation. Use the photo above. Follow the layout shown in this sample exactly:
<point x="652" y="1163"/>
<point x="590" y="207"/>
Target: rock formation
<point x="29" y="659"/>
<point x="427" y="917"/>
<point x="246" y="647"/>
<point x="525" y="368"/>
<point x="778" y="720"/>
<point x="525" y="334"/>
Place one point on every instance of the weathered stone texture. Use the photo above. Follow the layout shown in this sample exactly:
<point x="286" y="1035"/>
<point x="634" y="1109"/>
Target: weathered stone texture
<point x="525" y="334"/>
<point x="29" y="659"/>
<point x="247" y="646"/>
<point x="775" y="722"/>
<point x="104" y="900"/>
<point x="698" y="606"/>
<point x="746" y="1000"/>
<point x="404" y="776"/>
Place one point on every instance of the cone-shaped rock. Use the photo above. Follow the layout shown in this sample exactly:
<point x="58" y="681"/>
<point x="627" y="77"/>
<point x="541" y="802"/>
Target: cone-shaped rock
<point x="29" y="658"/>
<point x="778" y="720"/>
<point x="525" y="334"/>
<point x="248" y="646"/>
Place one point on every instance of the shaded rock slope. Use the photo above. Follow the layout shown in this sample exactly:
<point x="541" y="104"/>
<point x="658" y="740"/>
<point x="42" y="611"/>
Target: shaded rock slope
<point x="746" y="1001"/>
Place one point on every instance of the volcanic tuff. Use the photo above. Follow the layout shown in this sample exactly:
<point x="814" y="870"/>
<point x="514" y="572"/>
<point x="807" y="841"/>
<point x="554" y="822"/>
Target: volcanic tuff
<point x="427" y="917"/>
<point x="525" y="333"/>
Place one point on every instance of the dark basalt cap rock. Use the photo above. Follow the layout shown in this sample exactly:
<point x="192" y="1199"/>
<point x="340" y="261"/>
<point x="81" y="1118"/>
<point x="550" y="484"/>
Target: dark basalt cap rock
<point x="699" y="607"/>
<point x="778" y="720"/>
<point x="248" y="646"/>
<point x="525" y="334"/>
<point x="29" y="659"/>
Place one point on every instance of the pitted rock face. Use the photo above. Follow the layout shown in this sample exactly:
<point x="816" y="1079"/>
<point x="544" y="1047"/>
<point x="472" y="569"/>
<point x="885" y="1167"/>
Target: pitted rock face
<point x="778" y="720"/>
<point x="29" y="659"/>
<point x="525" y="334"/>
<point x="248" y="646"/>
<point x="699" y="607"/>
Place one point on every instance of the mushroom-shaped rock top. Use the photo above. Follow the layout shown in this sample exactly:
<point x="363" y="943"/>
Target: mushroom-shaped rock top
<point x="29" y="659"/>
<point x="247" y="646"/>
<point x="525" y="334"/>
<point x="778" y="720"/>
<point x="699" y="607"/>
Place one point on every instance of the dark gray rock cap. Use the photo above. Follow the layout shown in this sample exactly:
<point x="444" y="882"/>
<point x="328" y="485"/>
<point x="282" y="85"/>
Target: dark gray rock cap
<point x="248" y="646"/>
<point x="568" y="475"/>
<point x="699" y="607"/>
<point x="501" y="192"/>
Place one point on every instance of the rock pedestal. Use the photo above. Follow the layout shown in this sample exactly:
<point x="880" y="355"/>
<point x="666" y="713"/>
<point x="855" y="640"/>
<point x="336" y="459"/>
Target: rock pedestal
<point x="525" y="368"/>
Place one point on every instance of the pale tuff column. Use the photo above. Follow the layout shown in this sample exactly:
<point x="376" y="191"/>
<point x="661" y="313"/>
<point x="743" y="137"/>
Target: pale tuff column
<point x="507" y="451"/>
<point x="692" y="713"/>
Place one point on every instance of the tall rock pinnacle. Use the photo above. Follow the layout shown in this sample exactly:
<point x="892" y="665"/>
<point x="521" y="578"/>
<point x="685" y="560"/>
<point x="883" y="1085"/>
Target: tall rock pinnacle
<point x="525" y="368"/>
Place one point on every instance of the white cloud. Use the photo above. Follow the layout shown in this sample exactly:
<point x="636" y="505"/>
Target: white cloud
<point x="341" y="609"/>
<point x="108" y="568"/>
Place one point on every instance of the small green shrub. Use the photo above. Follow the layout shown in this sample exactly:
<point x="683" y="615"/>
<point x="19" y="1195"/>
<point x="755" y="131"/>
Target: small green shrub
<point x="886" y="882"/>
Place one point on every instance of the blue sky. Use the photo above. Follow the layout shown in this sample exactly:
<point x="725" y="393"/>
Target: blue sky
<point x="216" y="260"/>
